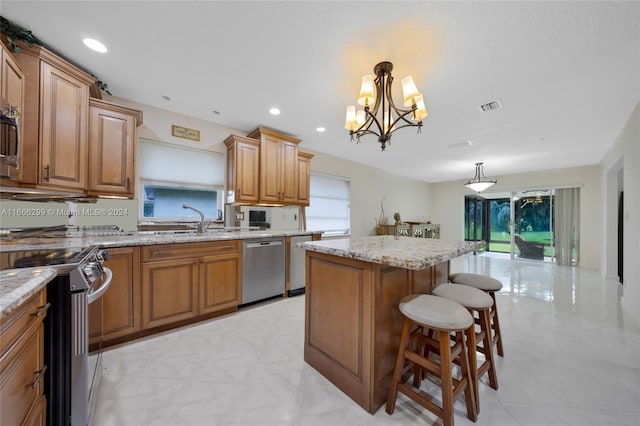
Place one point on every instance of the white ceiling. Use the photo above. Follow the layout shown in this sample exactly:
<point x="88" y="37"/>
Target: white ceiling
<point x="567" y="73"/>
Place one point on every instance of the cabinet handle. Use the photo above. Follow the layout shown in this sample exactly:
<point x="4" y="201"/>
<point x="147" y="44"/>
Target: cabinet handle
<point x="128" y="183"/>
<point x="35" y="383"/>
<point x="41" y="311"/>
<point x="46" y="173"/>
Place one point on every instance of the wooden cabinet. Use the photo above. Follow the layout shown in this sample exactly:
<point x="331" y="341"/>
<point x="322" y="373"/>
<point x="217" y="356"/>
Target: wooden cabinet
<point x="120" y="310"/>
<point x="182" y="281"/>
<point x="64" y="103"/>
<point x="243" y="163"/>
<point x="56" y="121"/>
<point x="169" y="291"/>
<point x="266" y="168"/>
<point x="11" y="100"/>
<point x="278" y="166"/>
<point x="22" y="366"/>
<point x="220" y="282"/>
<point x="304" y="178"/>
<point x="112" y="148"/>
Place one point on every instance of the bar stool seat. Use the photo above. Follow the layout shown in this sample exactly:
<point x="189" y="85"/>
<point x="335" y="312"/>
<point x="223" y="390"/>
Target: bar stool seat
<point x="446" y="318"/>
<point x="489" y="285"/>
<point x="476" y="301"/>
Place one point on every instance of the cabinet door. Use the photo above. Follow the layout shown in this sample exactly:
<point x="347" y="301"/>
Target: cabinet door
<point x="38" y="414"/>
<point x="21" y="381"/>
<point x="111" y="152"/>
<point x="169" y="291"/>
<point x="289" y="172"/>
<point x="304" y="173"/>
<point x="12" y="89"/>
<point x="270" y="170"/>
<point x="121" y="309"/>
<point x="64" y="106"/>
<point x="247" y="166"/>
<point x="220" y="282"/>
<point x="12" y="94"/>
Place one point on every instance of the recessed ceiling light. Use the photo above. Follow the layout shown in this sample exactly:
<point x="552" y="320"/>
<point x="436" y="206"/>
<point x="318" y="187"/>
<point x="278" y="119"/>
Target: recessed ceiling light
<point x="274" y="111"/>
<point x="320" y="129"/>
<point x="95" y="45"/>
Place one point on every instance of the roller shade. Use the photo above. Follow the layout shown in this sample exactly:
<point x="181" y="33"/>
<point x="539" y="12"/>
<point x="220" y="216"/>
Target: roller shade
<point x="169" y="163"/>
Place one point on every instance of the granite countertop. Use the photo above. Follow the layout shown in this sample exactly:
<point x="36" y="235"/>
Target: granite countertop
<point x="18" y="285"/>
<point x="404" y="252"/>
<point x="142" y="238"/>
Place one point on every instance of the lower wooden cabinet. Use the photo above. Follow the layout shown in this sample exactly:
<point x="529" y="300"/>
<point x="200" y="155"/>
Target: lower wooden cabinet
<point x="183" y="281"/>
<point x="169" y="291"/>
<point x="220" y="282"/>
<point x="119" y="311"/>
<point x="22" y="366"/>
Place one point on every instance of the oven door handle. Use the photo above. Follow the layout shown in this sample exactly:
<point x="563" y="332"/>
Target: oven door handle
<point x="95" y="295"/>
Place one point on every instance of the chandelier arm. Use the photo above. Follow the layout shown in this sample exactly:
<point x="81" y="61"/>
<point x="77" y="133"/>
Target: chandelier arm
<point x="368" y="123"/>
<point x="402" y="113"/>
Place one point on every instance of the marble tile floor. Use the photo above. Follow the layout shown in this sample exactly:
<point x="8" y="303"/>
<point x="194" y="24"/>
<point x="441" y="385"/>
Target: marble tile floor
<point x="572" y="357"/>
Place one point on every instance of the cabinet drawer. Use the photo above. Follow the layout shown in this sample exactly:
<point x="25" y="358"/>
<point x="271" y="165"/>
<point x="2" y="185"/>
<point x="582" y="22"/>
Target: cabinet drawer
<point x="16" y="324"/>
<point x="188" y="250"/>
<point x="22" y="379"/>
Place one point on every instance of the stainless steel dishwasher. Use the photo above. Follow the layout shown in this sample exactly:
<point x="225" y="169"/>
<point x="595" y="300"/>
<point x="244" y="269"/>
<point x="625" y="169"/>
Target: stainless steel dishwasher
<point x="263" y="268"/>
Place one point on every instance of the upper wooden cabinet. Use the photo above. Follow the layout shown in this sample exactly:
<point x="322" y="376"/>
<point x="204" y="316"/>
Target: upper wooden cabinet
<point x="11" y="96"/>
<point x="56" y="121"/>
<point x="243" y="162"/>
<point x="304" y="178"/>
<point x="278" y="166"/>
<point x="112" y="148"/>
<point x="266" y="168"/>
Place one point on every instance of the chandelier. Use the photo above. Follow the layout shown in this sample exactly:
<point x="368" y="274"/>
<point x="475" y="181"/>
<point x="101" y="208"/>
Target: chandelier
<point x="480" y="182"/>
<point x="380" y="115"/>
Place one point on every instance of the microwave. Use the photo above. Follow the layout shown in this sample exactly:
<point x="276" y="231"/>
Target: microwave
<point x="9" y="146"/>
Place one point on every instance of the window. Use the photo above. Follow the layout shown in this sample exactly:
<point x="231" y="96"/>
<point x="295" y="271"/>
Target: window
<point x="171" y="176"/>
<point x="329" y="208"/>
<point x="165" y="202"/>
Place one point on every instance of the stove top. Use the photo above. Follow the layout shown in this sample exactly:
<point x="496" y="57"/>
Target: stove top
<point x="62" y="258"/>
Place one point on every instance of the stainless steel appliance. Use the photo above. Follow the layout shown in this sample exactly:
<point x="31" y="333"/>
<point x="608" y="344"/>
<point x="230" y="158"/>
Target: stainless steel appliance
<point x="81" y="278"/>
<point x="297" y="270"/>
<point x="9" y="145"/>
<point x="259" y="218"/>
<point x="263" y="269"/>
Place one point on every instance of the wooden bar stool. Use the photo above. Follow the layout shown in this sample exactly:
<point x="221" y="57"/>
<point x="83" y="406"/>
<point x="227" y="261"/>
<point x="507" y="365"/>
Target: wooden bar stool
<point x="445" y="317"/>
<point x="489" y="285"/>
<point x="477" y="302"/>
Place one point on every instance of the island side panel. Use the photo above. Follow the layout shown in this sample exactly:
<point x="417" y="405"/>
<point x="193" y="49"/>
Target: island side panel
<point x="338" y="322"/>
<point x="391" y="285"/>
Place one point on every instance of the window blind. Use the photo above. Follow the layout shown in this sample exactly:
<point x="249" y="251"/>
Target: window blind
<point x="329" y="208"/>
<point x="161" y="162"/>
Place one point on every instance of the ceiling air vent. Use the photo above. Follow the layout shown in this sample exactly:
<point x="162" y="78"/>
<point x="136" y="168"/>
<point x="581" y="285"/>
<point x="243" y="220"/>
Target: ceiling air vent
<point x="491" y="106"/>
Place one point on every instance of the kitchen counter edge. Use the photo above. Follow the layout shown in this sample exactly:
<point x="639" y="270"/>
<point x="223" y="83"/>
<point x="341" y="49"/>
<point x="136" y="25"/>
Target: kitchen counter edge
<point x="18" y="285"/>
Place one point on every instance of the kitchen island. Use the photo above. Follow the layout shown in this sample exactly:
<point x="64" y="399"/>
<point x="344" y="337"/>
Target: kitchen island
<point x="352" y="320"/>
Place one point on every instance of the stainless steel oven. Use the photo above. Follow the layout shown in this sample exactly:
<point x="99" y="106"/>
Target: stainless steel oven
<point x="81" y="278"/>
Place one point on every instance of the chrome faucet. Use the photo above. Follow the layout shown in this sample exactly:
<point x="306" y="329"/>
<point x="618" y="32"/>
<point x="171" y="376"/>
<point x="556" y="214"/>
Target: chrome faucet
<point x="202" y="226"/>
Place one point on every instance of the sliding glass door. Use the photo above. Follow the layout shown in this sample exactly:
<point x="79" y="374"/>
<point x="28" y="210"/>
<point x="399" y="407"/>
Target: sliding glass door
<point x="533" y="224"/>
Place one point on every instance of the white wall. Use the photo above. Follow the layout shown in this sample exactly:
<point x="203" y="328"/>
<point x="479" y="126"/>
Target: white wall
<point x="448" y="203"/>
<point x="623" y="160"/>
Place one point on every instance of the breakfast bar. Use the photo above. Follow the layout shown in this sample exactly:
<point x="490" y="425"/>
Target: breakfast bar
<point x="352" y="320"/>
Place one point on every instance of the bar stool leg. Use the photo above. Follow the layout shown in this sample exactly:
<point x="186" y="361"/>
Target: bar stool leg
<point x="395" y="379"/>
<point x="487" y="349"/>
<point x="447" y="382"/>
<point x="496" y="324"/>
<point x="473" y="364"/>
